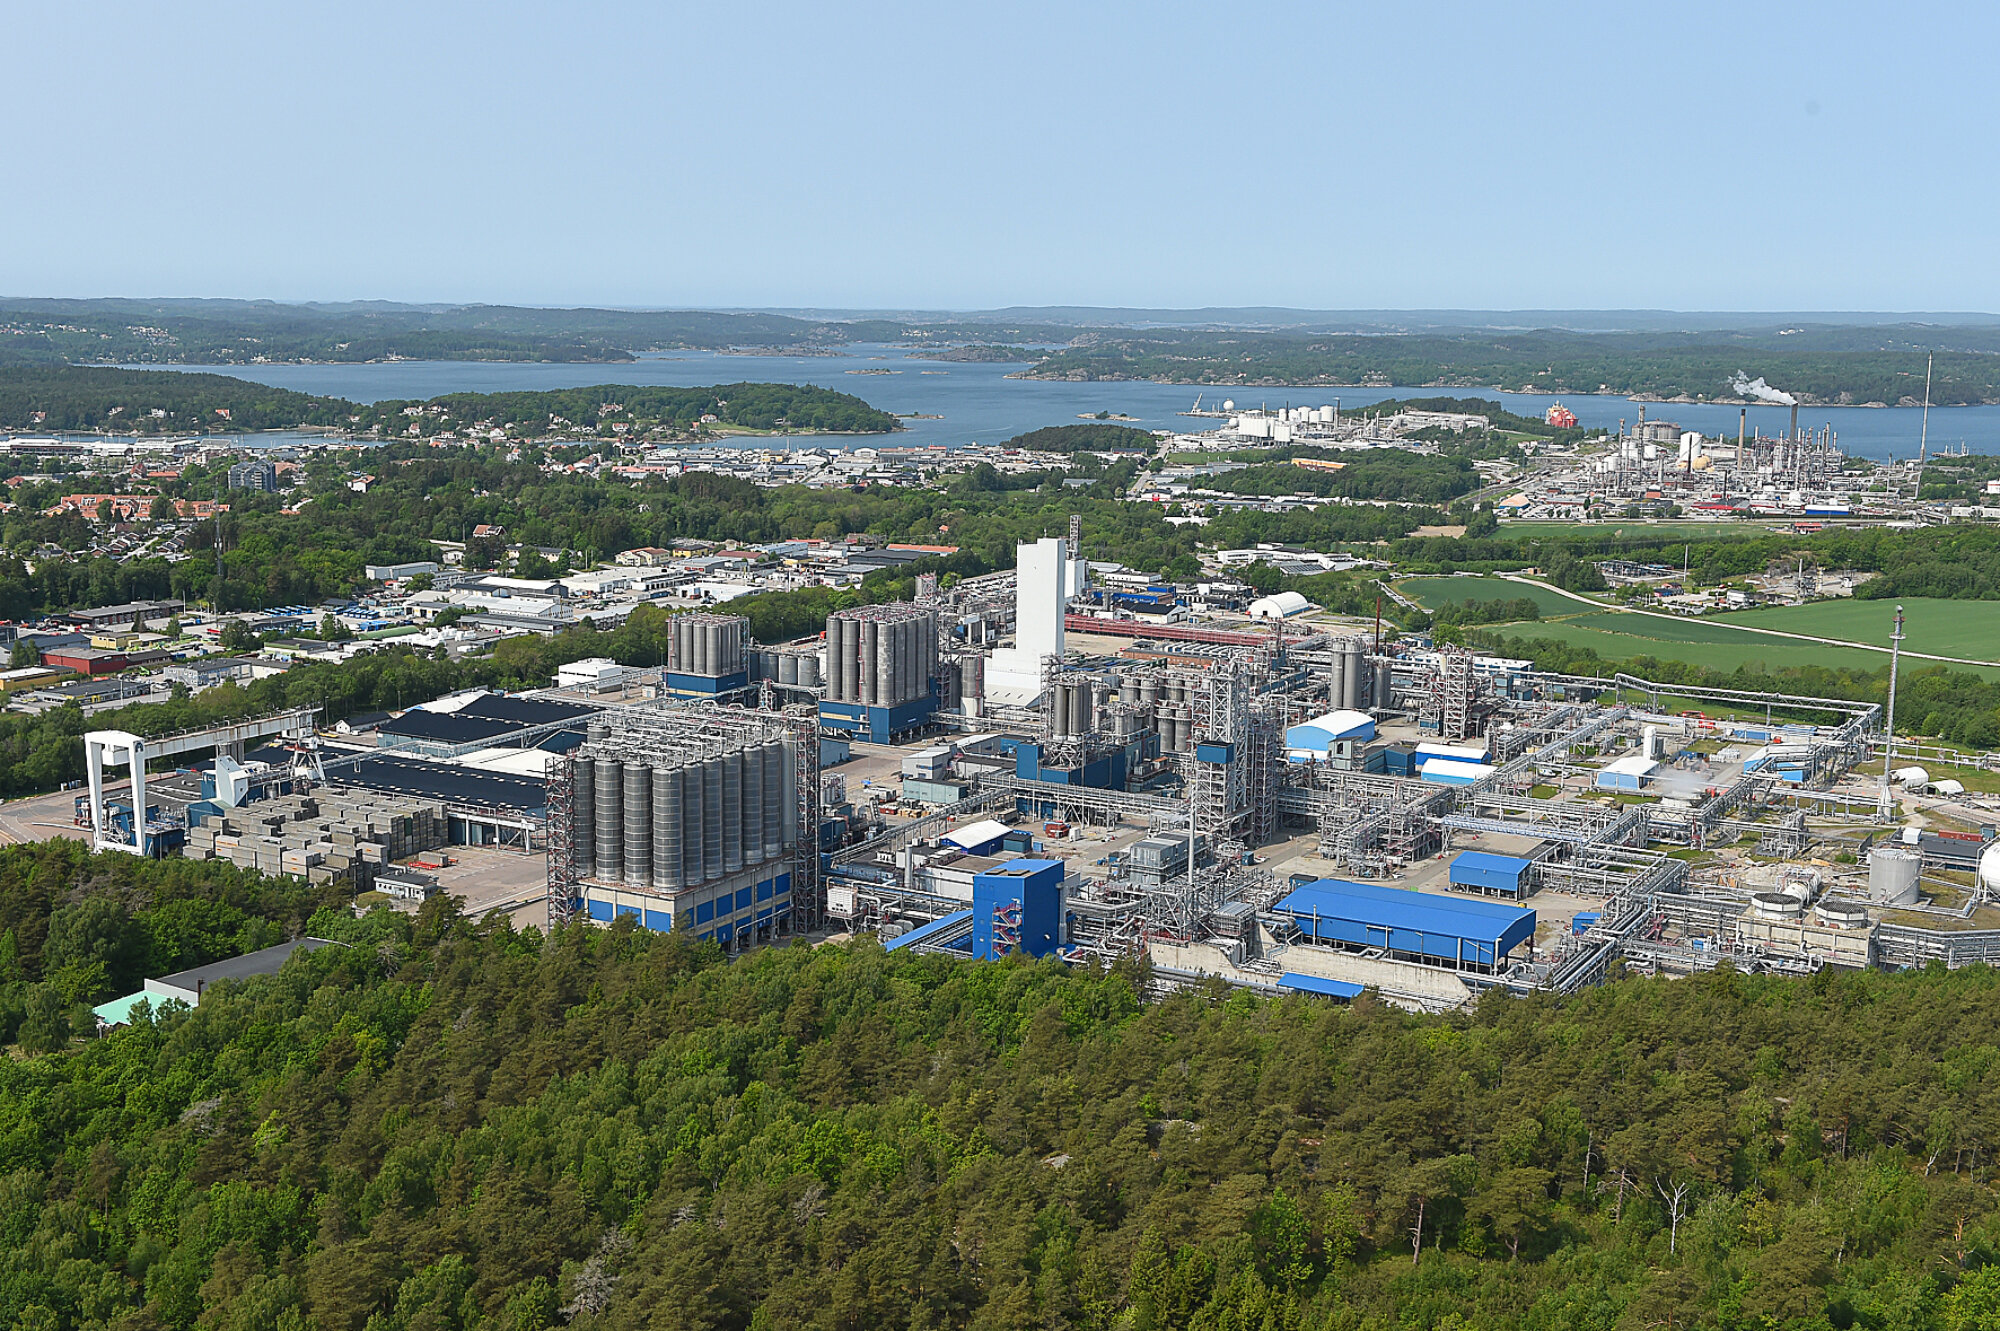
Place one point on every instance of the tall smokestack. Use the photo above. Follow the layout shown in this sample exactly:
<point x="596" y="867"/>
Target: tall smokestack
<point x="1795" y="423"/>
<point x="1742" y="424"/>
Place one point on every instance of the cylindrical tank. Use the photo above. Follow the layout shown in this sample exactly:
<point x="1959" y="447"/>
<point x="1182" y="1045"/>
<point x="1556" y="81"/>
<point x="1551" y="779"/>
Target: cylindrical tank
<point x="777" y="810"/>
<point x="1384" y="683"/>
<point x="1776" y="905"/>
<point x="1336" y="688"/>
<point x="1149" y="690"/>
<point x="874" y="666"/>
<point x="1892" y="873"/>
<point x="788" y="784"/>
<point x="1842" y="914"/>
<point x="970" y="683"/>
<point x="638" y="826"/>
<point x="711" y="818"/>
<point x="583" y="816"/>
<point x="732" y="812"/>
<point x="753" y="807"/>
<point x="1058" y="703"/>
<point x="850" y="664"/>
<point x="694" y="823"/>
<point x="610" y="820"/>
<point x="809" y="670"/>
<point x="667" y="849"/>
<point x="1350" y="693"/>
<point x="788" y="668"/>
<point x="1079" y="709"/>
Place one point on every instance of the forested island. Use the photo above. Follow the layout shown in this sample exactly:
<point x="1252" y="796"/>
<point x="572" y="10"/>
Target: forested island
<point x="1823" y="367"/>
<point x="445" y="1125"/>
<point x="626" y="408"/>
<point x="93" y="398"/>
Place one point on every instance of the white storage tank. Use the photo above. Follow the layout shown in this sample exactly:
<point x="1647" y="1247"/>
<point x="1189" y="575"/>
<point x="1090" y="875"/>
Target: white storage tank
<point x="1989" y="867"/>
<point x="1892" y="874"/>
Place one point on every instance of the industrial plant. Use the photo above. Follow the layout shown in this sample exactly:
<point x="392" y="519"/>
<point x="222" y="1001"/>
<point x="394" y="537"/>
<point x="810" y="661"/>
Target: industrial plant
<point x="1027" y="762"/>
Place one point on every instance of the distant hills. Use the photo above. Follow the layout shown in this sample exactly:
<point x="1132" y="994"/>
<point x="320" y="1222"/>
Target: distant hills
<point x="1846" y="358"/>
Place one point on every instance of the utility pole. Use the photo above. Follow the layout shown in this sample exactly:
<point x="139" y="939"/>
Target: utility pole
<point x="1924" y="434"/>
<point x="1889" y="732"/>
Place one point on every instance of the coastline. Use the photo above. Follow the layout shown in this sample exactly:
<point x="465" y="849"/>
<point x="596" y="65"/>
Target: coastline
<point x="1677" y="400"/>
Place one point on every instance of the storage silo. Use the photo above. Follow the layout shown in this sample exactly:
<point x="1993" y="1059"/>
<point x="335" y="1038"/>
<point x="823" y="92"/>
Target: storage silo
<point x="638" y="799"/>
<point x="788" y="668"/>
<point x="694" y="821"/>
<point x="808" y="670"/>
<point x="1057" y="704"/>
<point x="583" y="816"/>
<point x="610" y="820"/>
<point x="1892" y="875"/>
<point x="753" y="807"/>
<point x="874" y="671"/>
<point x="772" y="756"/>
<point x="732" y="811"/>
<point x="788" y="798"/>
<point x="888" y="664"/>
<point x="1350" y="694"/>
<point x="971" y="678"/>
<point x="668" y="851"/>
<point x="711" y="818"/>
<point x="1384" y="685"/>
<point x="1336" y="679"/>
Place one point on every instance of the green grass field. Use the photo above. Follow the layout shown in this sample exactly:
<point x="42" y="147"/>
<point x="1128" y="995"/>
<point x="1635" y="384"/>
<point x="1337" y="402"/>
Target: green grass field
<point x="1622" y="637"/>
<point x="1431" y="593"/>
<point x="1947" y="628"/>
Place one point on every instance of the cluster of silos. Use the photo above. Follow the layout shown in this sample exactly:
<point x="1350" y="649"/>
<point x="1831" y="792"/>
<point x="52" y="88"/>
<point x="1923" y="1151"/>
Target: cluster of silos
<point x="1350" y="683"/>
<point x="880" y="655"/>
<point x="707" y="645"/>
<point x="1072" y="705"/>
<point x="793" y="666"/>
<point x="1174" y="715"/>
<point x="678" y="816"/>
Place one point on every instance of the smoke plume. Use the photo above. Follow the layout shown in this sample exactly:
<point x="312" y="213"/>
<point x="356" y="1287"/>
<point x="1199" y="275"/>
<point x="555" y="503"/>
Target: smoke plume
<point x="1760" y="391"/>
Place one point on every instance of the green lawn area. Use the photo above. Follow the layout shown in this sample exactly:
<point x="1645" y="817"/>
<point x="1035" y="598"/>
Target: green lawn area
<point x="1431" y="593"/>
<point x="1621" y="637"/>
<point x="1946" y="628"/>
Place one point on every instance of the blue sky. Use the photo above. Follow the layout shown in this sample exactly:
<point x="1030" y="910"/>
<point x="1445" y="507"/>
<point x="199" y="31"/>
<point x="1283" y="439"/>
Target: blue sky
<point x="1684" y="156"/>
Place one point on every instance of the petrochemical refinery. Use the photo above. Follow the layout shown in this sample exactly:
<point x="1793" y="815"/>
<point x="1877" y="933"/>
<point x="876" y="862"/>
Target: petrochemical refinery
<point x="1026" y="762"/>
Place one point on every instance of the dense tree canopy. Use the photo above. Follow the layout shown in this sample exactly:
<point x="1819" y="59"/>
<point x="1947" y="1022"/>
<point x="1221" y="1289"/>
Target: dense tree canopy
<point x="444" y="1124"/>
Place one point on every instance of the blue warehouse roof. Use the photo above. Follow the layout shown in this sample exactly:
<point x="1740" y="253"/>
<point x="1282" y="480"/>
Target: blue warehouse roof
<point x="1477" y="868"/>
<point x="1455" y="929"/>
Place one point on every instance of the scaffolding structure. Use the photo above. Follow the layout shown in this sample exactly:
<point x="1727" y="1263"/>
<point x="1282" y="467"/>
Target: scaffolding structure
<point x="1449" y="705"/>
<point x="560" y="773"/>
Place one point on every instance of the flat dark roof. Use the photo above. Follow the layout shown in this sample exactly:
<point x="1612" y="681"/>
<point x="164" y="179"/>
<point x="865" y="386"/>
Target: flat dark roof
<point x="524" y="711"/>
<point x="392" y="773"/>
<point x="266" y="961"/>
